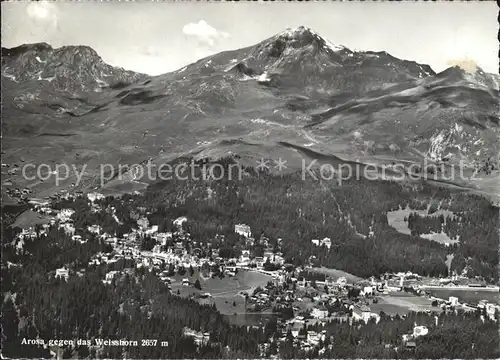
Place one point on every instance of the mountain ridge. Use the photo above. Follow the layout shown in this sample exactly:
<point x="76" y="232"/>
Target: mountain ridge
<point x="71" y="68"/>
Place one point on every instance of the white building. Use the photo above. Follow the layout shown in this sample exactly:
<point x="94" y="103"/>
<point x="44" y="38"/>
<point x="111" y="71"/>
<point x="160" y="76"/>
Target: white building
<point x="143" y="223"/>
<point x="179" y="221"/>
<point x="319" y="313"/>
<point x="243" y="230"/>
<point x="367" y="290"/>
<point x="453" y="301"/>
<point x="62" y="273"/>
<point x="342" y="281"/>
<point x="420" y="331"/>
<point x="315" y="242"/>
<point x="268" y="255"/>
<point x="326" y="242"/>
<point x="94" y="229"/>
<point x="163" y="237"/>
<point x="490" y="310"/>
<point x="364" y="313"/>
<point x="245" y="257"/>
<point x="95" y="196"/>
<point x="68" y="229"/>
<point x="198" y="337"/>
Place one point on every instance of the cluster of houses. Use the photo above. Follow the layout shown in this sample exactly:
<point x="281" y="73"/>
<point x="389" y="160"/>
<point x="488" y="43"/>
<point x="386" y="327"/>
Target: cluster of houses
<point x="175" y="253"/>
<point x="328" y="299"/>
<point x="304" y="339"/>
<point x="17" y="193"/>
<point x="489" y="309"/>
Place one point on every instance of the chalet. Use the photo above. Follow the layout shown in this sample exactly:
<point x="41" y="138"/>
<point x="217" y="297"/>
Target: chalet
<point x="65" y="215"/>
<point x="180" y="221"/>
<point x="411" y="345"/>
<point x="279" y="260"/>
<point x="319" y="313"/>
<point x="367" y="290"/>
<point x="362" y="312"/>
<point x="152" y="230"/>
<point x="259" y="261"/>
<point x="143" y="223"/>
<point x="342" y="281"/>
<point x="453" y="301"/>
<point x="268" y="254"/>
<point x="94" y="229"/>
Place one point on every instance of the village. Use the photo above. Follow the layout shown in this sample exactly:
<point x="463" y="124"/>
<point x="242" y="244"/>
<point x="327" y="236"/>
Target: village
<point x="297" y="297"/>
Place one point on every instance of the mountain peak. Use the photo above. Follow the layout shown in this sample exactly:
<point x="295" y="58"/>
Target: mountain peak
<point x="477" y="77"/>
<point x="21" y="49"/>
<point x="296" y="32"/>
<point x="290" y="47"/>
<point x="44" y="53"/>
<point x="299" y="58"/>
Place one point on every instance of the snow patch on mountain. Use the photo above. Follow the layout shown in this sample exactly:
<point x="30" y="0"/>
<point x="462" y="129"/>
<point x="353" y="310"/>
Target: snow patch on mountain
<point x="296" y="32"/>
<point x="262" y="78"/>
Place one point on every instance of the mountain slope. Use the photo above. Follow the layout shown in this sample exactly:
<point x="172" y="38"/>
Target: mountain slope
<point x="294" y="90"/>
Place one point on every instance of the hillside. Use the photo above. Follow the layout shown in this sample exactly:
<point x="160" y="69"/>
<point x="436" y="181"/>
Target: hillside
<point x="296" y="88"/>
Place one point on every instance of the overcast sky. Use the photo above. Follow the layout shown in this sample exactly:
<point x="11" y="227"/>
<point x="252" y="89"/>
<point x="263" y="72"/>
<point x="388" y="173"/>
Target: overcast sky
<point x="157" y="37"/>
